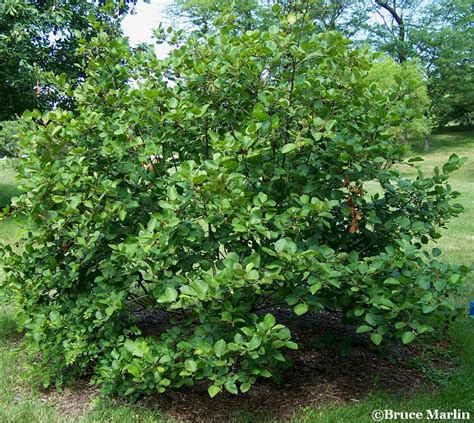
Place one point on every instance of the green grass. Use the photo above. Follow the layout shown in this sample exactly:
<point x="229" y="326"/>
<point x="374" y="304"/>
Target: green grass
<point x="21" y="404"/>
<point x="10" y="230"/>
<point x="457" y="394"/>
<point x="8" y="183"/>
<point x="458" y="241"/>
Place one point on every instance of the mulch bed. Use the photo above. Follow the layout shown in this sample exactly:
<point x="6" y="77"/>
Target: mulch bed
<point x="332" y="366"/>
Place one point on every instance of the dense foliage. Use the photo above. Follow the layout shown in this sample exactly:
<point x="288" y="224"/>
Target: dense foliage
<point x="9" y="143"/>
<point x="447" y="50"/>
<point x="184" y="201"/>
<point x="405" y="83"/>
<point x="438" y="34"/>
<point x="38" y="36"/>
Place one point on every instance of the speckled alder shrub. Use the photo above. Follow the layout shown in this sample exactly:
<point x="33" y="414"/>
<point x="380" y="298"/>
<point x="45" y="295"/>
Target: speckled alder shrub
<point x="209" y="189"/>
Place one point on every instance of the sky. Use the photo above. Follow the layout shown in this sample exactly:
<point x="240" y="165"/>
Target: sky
<point x="138" y="26"/>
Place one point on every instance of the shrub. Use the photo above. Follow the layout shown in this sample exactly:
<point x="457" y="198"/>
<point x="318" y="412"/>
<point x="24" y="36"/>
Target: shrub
<point x="201" y="192"/>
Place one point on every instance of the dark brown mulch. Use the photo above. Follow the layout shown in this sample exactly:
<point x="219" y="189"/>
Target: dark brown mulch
<point x="332" y="366"/>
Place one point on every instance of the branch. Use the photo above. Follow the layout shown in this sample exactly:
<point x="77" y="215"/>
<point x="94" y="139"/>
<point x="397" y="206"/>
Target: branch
<point x="401" y="26"/>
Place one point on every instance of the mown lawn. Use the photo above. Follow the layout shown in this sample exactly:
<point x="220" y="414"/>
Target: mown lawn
<point x="8" y="183"/>
<point x="19" y="403"/>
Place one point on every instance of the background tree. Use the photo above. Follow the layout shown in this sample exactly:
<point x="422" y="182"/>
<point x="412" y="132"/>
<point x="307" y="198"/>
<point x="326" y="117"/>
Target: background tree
<point x="389" y="26"/>
<point x="405" y="85"/>
<point x="9" y="143"/>
<point x="38" y="36"/>
<point x="344" y="15"/>
<point x="445" y="45"/>
<point x="437" y="34"/>
<point x="202" y="13"/>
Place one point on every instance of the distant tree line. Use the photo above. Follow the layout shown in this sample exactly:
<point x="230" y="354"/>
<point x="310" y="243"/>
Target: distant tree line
<point x="435" y="35"/>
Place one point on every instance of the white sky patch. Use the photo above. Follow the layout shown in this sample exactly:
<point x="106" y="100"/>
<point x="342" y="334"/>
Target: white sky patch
<point x="139" y="26"/>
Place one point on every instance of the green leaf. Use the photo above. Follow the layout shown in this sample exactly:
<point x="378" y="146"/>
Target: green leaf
<point x="122" y="215"/>
<point x="276" y="8"/>
<point x="58" y="199"/>
<point x="275" y="122"/>
<point x="172" y="193"/>
<point x="376" y="338"/>
<point x="220" y="348"/>
<point x="171" y="294"/>
<point x="245" y="387"/>
<point x="137" y="348"/>
<point x="400" y="325"/>
<point x="428" y="308"/>
<point x="315" y="287"/>
<point x="344" y="157"/>
<point x="269" y="321"/>
<point x="415" y="159"/>
<point x="200" y="287"/>
<point x="407" y="337"/>
<point x="284" y="244"/>
<point x="213" y="390"/>
<point x="391" y="282"/>
<point x="255" y="342"/>
<point x="56" y="130"/>
<point x="199" y="178"/>
<point x="190" y="365"/>
<point x="130" y="390"/>
<point x="259" y="113"/>
<point x="436" y="252"/>
<point x="280" y="245"/>
<point x="300" y="309"/>
<point x="287" y="148"/>
<point x="231" y="387"/>
<point x="291" y="345"/>
<point x="134" y="370"/>
<point x="423" y="282"/>
<point x="363" y="329"/>
<point x="291" y="18"/>
<point x="372" y="319"/>
<point x="187" y="290"/>
<point x="27" y="116"/>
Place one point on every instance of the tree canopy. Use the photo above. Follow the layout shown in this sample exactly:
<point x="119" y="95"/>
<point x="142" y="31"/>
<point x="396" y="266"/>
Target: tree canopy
<point x="438" y="35"/>
<point x="37" y="37"/>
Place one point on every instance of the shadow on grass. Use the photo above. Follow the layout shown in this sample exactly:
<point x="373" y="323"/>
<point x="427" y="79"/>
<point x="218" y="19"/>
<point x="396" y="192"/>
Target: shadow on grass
<point x="446" y="142"/>
<point x="7" y="192"/>
<point x="8" y="183"/>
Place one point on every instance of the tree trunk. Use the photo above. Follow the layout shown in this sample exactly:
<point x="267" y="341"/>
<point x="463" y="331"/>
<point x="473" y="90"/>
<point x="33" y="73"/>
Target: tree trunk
<point x="401" y="49"/>
<point x="405" y="136"/>
<point x="426" y="144"/>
